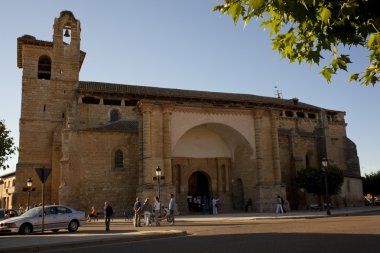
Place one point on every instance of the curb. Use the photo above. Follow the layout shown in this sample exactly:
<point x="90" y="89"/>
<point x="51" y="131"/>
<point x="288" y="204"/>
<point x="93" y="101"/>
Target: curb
<point x="92" y="242"/>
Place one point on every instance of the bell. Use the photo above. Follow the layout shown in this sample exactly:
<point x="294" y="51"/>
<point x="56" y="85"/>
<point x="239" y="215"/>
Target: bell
<point x="67" y="34"/>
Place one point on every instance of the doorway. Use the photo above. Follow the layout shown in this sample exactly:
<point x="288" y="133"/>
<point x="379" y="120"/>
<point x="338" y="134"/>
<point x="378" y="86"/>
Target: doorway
<point x="199" y="192"/>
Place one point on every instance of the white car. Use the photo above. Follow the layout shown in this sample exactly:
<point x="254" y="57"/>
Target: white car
<point x="56" y="217"/>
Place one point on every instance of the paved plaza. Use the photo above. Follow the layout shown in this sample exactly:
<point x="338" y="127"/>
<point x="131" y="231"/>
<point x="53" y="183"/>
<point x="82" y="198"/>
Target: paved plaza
<point x="93" y="233"/>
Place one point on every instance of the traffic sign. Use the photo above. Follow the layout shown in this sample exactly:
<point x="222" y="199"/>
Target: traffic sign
<point x="43" y="173"/>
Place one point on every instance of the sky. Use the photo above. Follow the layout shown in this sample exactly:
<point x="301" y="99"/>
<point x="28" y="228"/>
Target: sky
<point x="185" y="45"/>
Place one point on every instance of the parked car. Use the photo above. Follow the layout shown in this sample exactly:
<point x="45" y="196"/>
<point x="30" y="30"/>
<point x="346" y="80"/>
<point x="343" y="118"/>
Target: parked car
<point x="12" y="213"/>
<point x="56" y="217"/>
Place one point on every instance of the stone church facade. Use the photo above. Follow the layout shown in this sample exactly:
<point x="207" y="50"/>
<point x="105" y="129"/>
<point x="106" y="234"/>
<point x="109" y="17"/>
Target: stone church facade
<point x="103" y="141"/>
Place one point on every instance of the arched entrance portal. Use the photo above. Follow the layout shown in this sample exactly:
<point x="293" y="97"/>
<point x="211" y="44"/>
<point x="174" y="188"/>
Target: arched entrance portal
<point x="199" y="191"/>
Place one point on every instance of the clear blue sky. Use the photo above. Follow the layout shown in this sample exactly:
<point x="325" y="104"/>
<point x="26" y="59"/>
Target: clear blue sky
<point x="183" y="44"/>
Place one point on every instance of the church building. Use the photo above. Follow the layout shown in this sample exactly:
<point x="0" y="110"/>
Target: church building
<point x="105" y="141"/>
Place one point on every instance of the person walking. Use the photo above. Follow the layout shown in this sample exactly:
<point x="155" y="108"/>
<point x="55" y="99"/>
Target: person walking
<point x="278" y="205"/>
<point x="157" y="211"/>
<point x="147" y="210"/>
<point x="107" y="215"/>
<point x="137" y="210"/>
<point x="172" y="208"/>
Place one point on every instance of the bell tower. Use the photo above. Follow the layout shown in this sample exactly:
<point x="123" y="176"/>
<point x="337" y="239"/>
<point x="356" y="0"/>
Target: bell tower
<point x="50" y="75"/>
<point x="66" y="47"/>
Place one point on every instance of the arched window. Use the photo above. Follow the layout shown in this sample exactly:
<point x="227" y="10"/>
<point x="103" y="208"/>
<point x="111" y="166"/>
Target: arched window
<point x="119" y="160"/>
<point x="114" y="115"/>
<point x="44" y="67"/>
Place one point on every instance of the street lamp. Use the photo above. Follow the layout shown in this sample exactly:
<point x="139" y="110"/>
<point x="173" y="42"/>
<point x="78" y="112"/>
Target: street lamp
<point x="325" y="164"/>
<point x="158" y="177"/>
<point x="29" y="184"/>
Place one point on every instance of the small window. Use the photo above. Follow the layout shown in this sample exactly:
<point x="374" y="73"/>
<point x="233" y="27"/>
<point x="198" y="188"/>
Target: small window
<point x="90" y="100"/>
<point x="289" y="114"/>
<point x="311" y="116"/>
<point x="111" y="101"/>
<point x="300" y="115"/>
<point x="119" y="160"/>
<point x="114" y="115"/>
<point x="44" y="67"/>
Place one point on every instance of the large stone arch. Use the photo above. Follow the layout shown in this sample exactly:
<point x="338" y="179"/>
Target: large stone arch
<point x="233" y="128"/>
<point x="219" y="151"/>
<point x="210" y="140"/>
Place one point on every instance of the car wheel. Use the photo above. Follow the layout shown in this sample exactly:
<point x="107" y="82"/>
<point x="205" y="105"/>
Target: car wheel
<point x="55" y="230"/>
<point x="26" y="229"/>
<point x="73" y="226"/>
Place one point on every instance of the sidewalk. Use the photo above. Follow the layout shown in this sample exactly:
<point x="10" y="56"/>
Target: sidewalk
<point x="122" y="231"/>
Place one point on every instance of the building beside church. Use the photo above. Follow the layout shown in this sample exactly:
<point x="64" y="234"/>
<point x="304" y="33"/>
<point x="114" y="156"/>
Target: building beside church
<point x="103" y="141"/>
<point x="7" y="187"/>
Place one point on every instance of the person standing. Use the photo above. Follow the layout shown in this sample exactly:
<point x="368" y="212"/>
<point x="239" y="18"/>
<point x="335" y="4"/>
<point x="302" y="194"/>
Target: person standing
<point x="214" y="205"/>
<point x="137" y="210"/>
<point x="278" y="205"/>
<point x="107" y="215"/>
<point x="172" y="208"/>
<point x="147" y="210"/>
<point x="282" y="204"/>
<point x="157" y="210"/>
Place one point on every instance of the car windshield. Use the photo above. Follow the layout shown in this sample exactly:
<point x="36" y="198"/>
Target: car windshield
<point x="33" y="212"/>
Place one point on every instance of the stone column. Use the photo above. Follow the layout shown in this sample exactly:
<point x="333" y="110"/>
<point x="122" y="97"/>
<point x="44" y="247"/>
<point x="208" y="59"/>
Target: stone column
<point x="219" y="176"/>
<point x="167" y="142"/>
<point x="258" y="114"/>
<point x="275" y="147"/>
<point x="65" y="186"/>
<point x="228" y="180"/>
<point x="146" y="111"/>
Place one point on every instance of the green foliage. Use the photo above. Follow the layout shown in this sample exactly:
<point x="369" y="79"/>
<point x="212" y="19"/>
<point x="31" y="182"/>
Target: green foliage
<point x="303" y="30"/>
<point x="313" y="181"/>
<point x="371" y="184"/>
<point x="7" y="147"/>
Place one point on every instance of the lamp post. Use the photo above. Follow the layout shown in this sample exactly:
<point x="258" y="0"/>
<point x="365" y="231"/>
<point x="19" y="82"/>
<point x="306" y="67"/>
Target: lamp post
<point x="29" y="184"/>
<point x="158" y="175"/>
<point x="325" y="171"/>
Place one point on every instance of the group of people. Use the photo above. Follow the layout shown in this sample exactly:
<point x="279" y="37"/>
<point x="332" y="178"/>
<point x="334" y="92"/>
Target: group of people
<point x="205" y="204"/>
<point x="146" y="209"/>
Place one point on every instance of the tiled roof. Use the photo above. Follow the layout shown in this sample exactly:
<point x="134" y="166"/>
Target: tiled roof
<point x="128" y="126"/>
<point x="141" y="92"/>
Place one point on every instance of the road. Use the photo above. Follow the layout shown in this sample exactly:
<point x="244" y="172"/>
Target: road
<point x="346" y="234"/>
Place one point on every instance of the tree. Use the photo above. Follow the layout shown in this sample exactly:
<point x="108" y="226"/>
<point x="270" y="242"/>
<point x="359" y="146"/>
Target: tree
<point x="313" y="181"/>
<point x="371" y="183"/>
<point x="7" y="147"/>
<point x="306" y="30"/>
